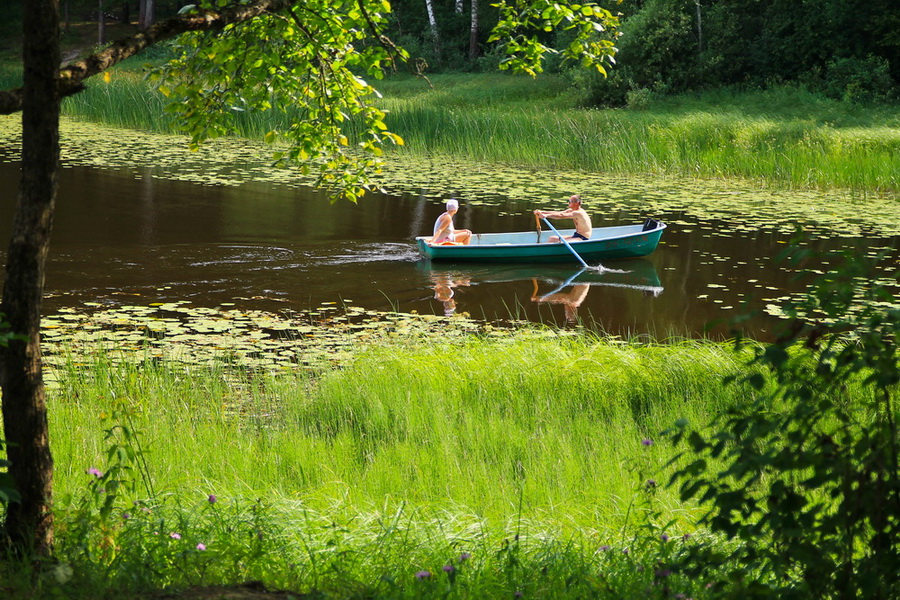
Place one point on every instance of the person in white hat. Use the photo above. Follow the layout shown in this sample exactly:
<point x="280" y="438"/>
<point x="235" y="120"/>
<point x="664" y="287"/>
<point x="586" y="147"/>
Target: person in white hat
<point x="444" y="230"/>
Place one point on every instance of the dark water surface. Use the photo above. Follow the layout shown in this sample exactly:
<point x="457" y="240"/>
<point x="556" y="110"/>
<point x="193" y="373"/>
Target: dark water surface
<point x="120" y="238"/>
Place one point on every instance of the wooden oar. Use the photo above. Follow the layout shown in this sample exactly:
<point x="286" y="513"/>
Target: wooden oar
<point x="537" y="223"/>
<point x="571" y="249"/>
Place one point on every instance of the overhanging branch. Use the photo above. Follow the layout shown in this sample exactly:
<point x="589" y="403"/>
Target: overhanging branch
<point x="73" y="75"/>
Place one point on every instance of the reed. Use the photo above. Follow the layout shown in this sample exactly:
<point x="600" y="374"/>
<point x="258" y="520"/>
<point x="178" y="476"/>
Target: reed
<point x="483" y="426"/>
<point x="857" y="149"/>
<point x="124" y="100"/>
<point x="783" y="137"/>
<point x="472" y="468"/>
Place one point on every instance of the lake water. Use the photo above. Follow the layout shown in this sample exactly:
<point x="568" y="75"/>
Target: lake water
<point x="131" y="236"/>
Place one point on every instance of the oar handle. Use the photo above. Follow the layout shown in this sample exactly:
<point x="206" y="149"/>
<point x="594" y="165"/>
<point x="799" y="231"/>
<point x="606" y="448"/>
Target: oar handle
<point x="537" y="222"/>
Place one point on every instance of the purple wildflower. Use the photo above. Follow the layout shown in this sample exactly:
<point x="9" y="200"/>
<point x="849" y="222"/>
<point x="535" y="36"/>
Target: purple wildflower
<point x="449" y="568"/>
<point x="175" y="536"/>
<point x="646" y="442"/>
<point x="604" y="547"/>
<point x="201" y="547"/>
<point x="212" y="498"/>
<point x="95" y="472"/>
<point x="126" y="516"/>
<point x="664" y="537"/>
<point x="423" y="574"/>
<point x="464" y="556"/>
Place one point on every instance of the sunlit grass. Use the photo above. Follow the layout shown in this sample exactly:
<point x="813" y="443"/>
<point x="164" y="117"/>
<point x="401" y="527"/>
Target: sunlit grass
<point x="772" y="137"/>
<point x="517" y="465"/>
<point x="480" y="426"/>
<point x="785" y="137"/>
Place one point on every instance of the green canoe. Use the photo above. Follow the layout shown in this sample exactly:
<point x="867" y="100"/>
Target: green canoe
<point x="625" y="241"/>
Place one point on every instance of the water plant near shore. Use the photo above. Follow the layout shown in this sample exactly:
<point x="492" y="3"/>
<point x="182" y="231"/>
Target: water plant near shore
<point x="760" y="136"/>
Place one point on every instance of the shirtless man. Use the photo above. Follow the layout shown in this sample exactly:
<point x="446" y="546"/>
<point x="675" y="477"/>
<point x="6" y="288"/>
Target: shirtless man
<point x="582" y="220"/>
<point x="444" y="230"/>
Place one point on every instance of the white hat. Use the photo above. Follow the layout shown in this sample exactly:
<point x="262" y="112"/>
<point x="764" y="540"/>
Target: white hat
<point x="452" y="204"/>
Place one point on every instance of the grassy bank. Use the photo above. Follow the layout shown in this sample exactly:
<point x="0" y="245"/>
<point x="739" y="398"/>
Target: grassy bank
<point x="784" y="137"/>
<point x="483" y="425"/>
<point x="497" y="467"/>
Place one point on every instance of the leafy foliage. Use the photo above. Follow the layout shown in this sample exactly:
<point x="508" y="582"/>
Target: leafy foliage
<point x="684" y="45"/>
<point x="8" y="491"/>
<point x="305" y="62"/>
<point x="857" y="79"/>
<point x="811" y="488"/>
<point x="310" y="60"/>
<point x="521" y="22"/>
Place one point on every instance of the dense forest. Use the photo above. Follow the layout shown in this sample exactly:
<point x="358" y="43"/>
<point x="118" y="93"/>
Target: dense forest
<point x="844" y="49"/>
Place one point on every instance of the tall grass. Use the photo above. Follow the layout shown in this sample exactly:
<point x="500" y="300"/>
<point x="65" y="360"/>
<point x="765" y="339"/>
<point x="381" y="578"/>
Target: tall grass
<point x="481" y="426"/>
<point x="477" y="468"/>
<point x="125" y="100"/>
<point x="784" y="137"/>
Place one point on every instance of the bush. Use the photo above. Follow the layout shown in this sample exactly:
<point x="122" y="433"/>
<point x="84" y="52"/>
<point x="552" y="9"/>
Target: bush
<point x="858" y="79"/>
<point x="811" y="489"/>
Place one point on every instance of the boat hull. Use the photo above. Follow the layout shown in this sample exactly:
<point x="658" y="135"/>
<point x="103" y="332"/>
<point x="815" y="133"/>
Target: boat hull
<point x="628" y="241"/>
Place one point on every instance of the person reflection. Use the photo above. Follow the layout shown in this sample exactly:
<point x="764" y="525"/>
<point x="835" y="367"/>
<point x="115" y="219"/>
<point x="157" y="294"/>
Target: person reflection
<point x="570" y="300"/>
<point x="444" y="285"/>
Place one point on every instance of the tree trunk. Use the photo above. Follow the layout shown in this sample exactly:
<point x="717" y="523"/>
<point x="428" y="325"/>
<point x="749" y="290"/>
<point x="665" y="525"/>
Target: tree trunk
<point x="473" y="32"/>
<point x="125" y="18"/>
<point x="459" y="7"/>
<point x="699" y="29"/>
<point x="101" y="25"/>
<point x="432" y="25"/>
<point x="29" y="523"/>
<point x="146" y="14"/>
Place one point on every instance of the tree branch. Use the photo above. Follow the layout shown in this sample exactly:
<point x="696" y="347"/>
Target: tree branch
<point x="73" y="75"/>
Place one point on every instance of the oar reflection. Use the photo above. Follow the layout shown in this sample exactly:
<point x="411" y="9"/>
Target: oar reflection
<point x="570" y="300"/>
<point x="569" y="288"/>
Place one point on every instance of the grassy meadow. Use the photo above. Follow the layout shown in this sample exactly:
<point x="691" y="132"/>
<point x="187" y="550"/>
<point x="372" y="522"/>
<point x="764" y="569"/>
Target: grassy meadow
<point x="784" y="137"/>
<point x="526" y="467"/>
<point x="497" y="467"/>
<point x="488" y="426"/>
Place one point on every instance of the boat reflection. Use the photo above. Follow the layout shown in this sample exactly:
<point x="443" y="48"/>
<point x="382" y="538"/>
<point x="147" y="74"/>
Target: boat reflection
<point x="444" y="285"/>
<point x="562" y="284"/>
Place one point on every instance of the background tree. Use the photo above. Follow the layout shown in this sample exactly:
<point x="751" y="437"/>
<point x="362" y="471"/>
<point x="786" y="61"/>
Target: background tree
<point x="842" y="48"/>
<point x="473" y="31"/>
<point x="245" y="55"/>
<point x="146" y="14"/>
